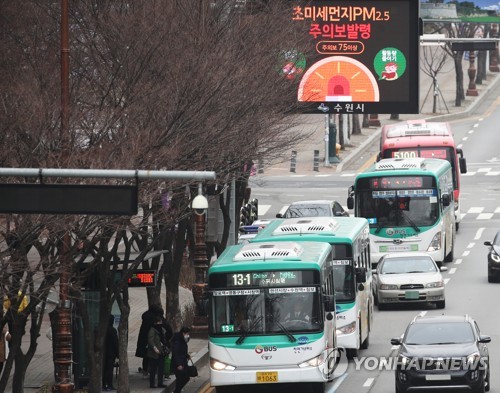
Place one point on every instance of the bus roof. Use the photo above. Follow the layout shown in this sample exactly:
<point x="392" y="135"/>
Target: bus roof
<point x="416" y="133"/>
<point x="326" y="229"/>
<point x="272" y="255"/>
<point x="406" y="166"/>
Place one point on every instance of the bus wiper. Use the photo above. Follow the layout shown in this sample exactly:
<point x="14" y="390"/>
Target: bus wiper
<point x="410" y="221"/>
<point x="285" y="330"/>
<point x="250" y="329"/>
<point x="379" y="226"/>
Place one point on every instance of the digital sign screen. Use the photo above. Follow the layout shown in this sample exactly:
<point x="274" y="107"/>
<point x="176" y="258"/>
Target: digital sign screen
<point x="142" y="278"/>
<point x="424" y="153"/>
<point x="365" y="56"/>
<point x="263" y="279"/>
<point x="396" y="182"/>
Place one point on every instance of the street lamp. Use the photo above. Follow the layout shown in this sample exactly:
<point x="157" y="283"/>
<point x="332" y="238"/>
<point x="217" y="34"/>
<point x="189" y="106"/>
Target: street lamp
<point x="200" y="207"/>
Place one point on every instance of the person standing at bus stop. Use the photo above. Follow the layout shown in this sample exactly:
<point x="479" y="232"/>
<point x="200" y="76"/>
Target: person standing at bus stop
<point x="180" y="357"/>
<point x="142" y="339"/>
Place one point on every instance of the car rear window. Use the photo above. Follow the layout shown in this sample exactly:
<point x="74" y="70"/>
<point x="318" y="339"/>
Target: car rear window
<point x="439" y="333"/>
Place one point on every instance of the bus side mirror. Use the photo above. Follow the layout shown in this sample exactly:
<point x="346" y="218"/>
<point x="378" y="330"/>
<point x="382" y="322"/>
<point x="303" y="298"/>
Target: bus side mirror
<point x="360" y="275"/>
<point x="350" y="202"/>
<point x="445" y="200"/>
<point x="329" y="301"/>
<point x="462" y="164"/>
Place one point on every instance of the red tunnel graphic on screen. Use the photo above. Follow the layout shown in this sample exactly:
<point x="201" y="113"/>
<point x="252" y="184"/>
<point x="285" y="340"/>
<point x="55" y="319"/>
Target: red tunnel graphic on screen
<point x="338" y="79"/>
<point x="338" y="89"/>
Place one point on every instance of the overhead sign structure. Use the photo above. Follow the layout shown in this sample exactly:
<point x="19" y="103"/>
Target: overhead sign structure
<point x="365" y="56"/>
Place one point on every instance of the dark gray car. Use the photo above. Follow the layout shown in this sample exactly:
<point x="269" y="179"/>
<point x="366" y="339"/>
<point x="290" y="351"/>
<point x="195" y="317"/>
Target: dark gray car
<point x="442" y="351"/>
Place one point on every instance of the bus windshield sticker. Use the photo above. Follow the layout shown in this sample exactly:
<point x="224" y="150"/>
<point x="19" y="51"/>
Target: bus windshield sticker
<point x="292" y="290"/>
<point x="384" y="194"/>
<point x="340" y="262"/>
<point x="237" y="292"/>
<point x="417" y="193"/>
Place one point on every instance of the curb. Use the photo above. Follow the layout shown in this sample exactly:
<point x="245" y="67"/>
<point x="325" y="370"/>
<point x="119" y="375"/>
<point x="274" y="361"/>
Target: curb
<point x="447" y="117"/>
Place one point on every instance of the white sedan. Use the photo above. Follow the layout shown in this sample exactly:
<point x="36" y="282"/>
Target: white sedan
<point x="410" y="277"/>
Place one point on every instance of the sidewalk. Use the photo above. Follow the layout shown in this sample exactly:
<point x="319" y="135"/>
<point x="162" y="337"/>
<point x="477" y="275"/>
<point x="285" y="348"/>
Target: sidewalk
<point x="40" y="373"/>
<point x="353" y="151"/>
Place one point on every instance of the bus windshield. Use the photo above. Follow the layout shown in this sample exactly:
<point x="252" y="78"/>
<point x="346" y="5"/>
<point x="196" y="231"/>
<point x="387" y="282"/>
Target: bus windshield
<point x="399" y="208"/>
<point x="266" y="311"/>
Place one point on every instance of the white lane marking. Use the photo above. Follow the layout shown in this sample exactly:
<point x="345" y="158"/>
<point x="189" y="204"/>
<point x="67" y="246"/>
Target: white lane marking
<point x="468" y="173"/>
<point x="484" y="169"/>
<point x="470" y="132"/>
<point x="337" y="383"/>
<point x="322" y="175"/>
<point x="497" y="210"/>
<point x="347" y="175"/>
<point x="475" y="210"/>
<point x="492" y="173"/>
<point x="394" y="347"/>
<point x="465" y="138"/>
<point x="368" y="382"/>
<point x="283" y="209"/>
<point x="446" y="280"/>
<point x="298" y="175"/>
<point x="471" y="245"/>
<point x="476" y="125"/>
<point x="465" y="253"/>
<point x="452" y="270"/>
<point x="479" y="232"/>
<point x="484" y="216"/>
<point x="422" y="313"/>
<point x="458" y="261"/>
<point x="263" y="209"/>
<point x="459" y="147"/>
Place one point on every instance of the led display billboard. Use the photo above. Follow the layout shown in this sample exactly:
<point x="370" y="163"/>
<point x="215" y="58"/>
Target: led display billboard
<point x="365" y="56"/>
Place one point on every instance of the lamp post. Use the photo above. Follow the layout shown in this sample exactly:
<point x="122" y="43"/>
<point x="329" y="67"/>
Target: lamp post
<point x="200" y="206"/>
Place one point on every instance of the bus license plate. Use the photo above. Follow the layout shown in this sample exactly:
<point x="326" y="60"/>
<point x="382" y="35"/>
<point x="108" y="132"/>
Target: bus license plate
<point x="412" y="295"/>
<point x="267" y="376"/>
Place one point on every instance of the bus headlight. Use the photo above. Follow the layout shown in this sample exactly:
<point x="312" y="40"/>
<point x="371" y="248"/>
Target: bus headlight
<point x="435" y="243"/>
<point x="347" y="329"/>
<point x="437" y="284"/>
<point x="314" y="362"/>
<point x="219" y="366"/>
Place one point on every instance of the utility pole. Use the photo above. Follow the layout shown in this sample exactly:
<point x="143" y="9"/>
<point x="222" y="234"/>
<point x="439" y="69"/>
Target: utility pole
<point x="62" y="334"/>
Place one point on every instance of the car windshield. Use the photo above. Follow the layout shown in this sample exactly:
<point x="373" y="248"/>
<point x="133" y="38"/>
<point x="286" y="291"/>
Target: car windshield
<point x="439" y="333"/>
<point x="308" y="211"/>
<point x="408" y="265"/>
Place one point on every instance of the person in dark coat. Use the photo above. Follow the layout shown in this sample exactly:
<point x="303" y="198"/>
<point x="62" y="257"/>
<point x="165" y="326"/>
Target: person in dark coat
<point x="156" y="352"/>
<point x="142" y="339"/>
<point x="110" y="355"/>
<point x="180" y="357"/>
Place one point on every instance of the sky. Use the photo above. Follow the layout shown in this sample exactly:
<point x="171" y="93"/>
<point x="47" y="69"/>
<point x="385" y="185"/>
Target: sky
<point x="488" y="4"/>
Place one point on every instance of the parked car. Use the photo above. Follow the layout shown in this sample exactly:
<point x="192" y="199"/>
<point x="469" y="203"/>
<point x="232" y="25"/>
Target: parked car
<point x="442" y="351"/>
<point x="494" y="258"/>
<point x="317" y="208"/>
<point x="408" y="277"/>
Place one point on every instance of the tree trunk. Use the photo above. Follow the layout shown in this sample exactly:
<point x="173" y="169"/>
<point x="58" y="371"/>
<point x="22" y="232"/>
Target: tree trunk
<point x="459" y="78"/>
<point x="340" y="132"/>
<point x="123" y="331"/>
<point x="356" y="126"/>
<point x="366" y="122"/>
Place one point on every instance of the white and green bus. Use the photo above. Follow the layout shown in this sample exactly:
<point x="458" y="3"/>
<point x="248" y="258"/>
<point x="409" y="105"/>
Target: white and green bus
<point x="409" y="206"/>
<point x="256" y="335"/>
<point x="349" y="238"/>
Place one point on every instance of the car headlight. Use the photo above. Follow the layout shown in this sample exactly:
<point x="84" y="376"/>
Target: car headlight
<point x="314" y="362"/>
<point x="435" y="243"/>
<point x="473" y="359"/>
<point x="437" y="284"/>
<point x="403" y="360"/>
<point x="219" y="366"/>
<point x="347" y="329"/>
<point x="388" y="286"/>
<point x="495" y="257"/>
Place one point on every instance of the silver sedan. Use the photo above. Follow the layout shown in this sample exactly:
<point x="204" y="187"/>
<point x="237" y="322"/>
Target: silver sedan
<point x="408" y="278"/>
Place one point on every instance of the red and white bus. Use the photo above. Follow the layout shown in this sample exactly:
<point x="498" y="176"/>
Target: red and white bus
<point x="418" y="138"/>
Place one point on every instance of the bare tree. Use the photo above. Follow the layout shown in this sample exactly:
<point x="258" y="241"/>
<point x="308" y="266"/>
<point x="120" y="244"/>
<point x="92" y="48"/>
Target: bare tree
<point x="434" y="59"/>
